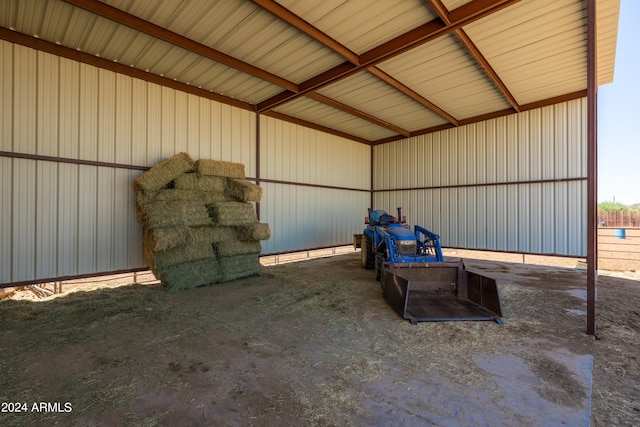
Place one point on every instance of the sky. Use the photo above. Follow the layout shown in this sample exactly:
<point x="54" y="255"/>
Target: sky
<point x="619" y="115"/>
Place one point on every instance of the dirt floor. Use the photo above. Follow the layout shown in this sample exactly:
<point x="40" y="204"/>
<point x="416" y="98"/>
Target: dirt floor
<point x="314" y="343"/>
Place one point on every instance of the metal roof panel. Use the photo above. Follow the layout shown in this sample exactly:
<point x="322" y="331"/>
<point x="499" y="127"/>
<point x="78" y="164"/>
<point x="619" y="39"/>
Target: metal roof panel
<point x="316" y="112"/>
<point x="371" y="95"/>
<point x="361" y="25"/>
<point x="444" y="73"/>
<point x="538" y="48"/>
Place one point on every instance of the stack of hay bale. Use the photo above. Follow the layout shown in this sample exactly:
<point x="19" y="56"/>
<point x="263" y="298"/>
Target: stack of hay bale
<point x="199" y="225"/>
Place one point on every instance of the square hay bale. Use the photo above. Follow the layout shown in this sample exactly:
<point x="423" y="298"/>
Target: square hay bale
<point x="191" y="274"/>
<point x="219" y="168"/>
<point x="254" y="232"/>
<point x="144" y="198"/>
<point x="244" y="191"/>
<point x="162" y="214"/>
<point x="236" y="267"/>
<point x="162" y="239"/>
<point x="166" y="195"/>
<point x="232" y="213"/>
<point x="162" y="260"/>
<point x="208" y="197"/>
<point x="212" y="234"/>
<point x="192" y="181"/>
<point x="163" y="173"/>
<point x="230" y="248"/>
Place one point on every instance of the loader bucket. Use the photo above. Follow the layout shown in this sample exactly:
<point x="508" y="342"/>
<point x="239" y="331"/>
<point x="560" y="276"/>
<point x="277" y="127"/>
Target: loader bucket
<point x="440" y="291"/>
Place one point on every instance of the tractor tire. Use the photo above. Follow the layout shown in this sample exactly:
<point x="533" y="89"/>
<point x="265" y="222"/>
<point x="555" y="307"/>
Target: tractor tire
<point x="366" y="253"/>
<point x="378" y="264"/>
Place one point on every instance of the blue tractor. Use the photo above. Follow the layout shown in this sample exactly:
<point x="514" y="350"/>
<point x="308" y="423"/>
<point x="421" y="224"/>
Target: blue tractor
<point x="416" y="279"/>
<point x="388" y="238"/>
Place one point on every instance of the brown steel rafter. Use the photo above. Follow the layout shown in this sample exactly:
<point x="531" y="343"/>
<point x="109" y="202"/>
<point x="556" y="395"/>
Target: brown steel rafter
<point x="459" y="17"/>
<point x="321" y="37"/>
<point x="473" y="50"/>
<point x="347" y="109"/>
<point x="138" y="24"/>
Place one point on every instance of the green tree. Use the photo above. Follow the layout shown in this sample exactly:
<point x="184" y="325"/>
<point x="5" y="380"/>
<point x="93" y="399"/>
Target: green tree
<point x="612" y="207"/>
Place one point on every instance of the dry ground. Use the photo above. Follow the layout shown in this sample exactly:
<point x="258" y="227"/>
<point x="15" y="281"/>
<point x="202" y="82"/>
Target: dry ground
<point x="311" y="343"/>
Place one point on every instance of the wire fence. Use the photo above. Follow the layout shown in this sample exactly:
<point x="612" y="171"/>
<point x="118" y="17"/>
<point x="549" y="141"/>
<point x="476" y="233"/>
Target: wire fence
<point x="628" y="219"/>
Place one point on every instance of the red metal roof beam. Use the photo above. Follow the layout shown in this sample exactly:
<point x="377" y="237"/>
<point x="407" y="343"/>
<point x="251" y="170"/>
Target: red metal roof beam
<point x="138" y="24"/>
<point x="301" y="25"/>
<point x="463" y="15"/>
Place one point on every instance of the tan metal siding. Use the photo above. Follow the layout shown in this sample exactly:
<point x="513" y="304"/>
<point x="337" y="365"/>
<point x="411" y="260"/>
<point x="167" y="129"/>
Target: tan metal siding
<point x="66" y="219"/>
<point x="307" y="217"/>
<point x="509" y="212"/>
<point x="293" y="153"/>
<point x="303" y="216"/>
<point x="6" y="219"/>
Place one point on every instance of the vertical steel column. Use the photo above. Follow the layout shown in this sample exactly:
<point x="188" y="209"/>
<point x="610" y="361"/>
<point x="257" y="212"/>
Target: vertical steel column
<point x="371" y="180"/>
<point x="258" y="160"/>
<point x="592" y="166"/>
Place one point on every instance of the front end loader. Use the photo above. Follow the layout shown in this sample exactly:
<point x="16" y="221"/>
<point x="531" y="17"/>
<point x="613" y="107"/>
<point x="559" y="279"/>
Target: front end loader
<point x="417" y="281"/>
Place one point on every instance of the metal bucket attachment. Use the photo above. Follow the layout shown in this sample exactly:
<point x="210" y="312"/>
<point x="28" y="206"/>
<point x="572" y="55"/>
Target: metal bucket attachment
<point x="440" y="291"/>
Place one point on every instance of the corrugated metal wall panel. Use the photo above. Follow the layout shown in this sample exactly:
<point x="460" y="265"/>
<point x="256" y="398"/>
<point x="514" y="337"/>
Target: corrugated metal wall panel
<point x="46" y="217"/>
<point x="491" y="199"/>
<point x="292" y="153"/>
<point x="6" y="219"/>
<point x="65" y="219"/>
<point x="23" y="217"/>
<point x="307" y="217"/>
<point x="303" y="216"/>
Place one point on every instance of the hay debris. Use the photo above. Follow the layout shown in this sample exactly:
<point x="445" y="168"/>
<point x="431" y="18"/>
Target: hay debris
<point x="219" y="168"/>
<point x="163" y="173"/>
<point x="254" y="232"/>
<point x="230" y="248"/>
<point x="243" y="191"/>
<point x="232" y="213"/>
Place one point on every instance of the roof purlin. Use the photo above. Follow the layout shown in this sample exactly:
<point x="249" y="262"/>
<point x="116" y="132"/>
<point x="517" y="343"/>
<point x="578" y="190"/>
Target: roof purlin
<point x="347" y="109"/>
<point x="96" y="61"/>
<point x="460" y="34"/>
<point x="301" y="25"/>
<point x="138" y="24"/>
<point x="464" y="15"/>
